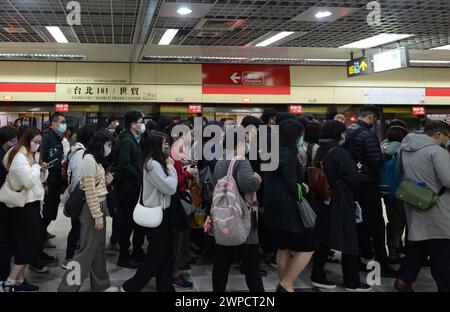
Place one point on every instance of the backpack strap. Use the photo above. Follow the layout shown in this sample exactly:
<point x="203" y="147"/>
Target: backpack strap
<point x="232" y="164"/>
<point x="309" y="152"/>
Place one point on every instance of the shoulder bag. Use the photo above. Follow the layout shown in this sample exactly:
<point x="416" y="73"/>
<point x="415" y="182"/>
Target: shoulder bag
<point x="149" y="217"/>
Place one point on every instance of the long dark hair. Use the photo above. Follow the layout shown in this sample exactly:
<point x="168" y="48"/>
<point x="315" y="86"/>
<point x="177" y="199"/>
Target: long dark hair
<point x="153" y="149"/>
<point x="25" y="140"/>
<point x="96" y="146"/>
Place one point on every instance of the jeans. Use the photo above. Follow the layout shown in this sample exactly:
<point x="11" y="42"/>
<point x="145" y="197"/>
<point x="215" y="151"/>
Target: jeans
<point x="73" y="238"/>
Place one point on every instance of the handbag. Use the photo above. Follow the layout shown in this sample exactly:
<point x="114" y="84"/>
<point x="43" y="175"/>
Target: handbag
<point x="305" y="210"/>
<point x="419" y="196"/>
<point x="12" y="198"/>
<point x="186" y="202"/>
<point x="149" y="217"/>
<point x="75" y="203"/>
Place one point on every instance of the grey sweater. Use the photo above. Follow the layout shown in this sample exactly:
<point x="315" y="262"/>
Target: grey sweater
<point x="246" y="182"/>
<point x="424" y="160"/>
<point x="158" y="187"/>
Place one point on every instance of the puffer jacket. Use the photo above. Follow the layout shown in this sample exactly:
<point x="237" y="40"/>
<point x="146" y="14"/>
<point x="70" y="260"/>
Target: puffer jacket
<point x="365" y="149"/>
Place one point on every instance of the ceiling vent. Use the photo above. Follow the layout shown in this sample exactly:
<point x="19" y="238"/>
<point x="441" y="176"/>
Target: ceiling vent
<point x="218" y="24"/>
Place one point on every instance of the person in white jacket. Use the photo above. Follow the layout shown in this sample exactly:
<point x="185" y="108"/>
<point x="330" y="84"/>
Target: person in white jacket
<point x="160" y="182"/>
<point x="26" y="174"/>
<point x="75" y="159"/>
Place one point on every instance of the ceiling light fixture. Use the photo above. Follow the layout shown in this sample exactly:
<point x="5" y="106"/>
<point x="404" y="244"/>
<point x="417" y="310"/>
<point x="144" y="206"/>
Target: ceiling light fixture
<point x="375" y="41"/>
<point x="446" y="47"/>
<point x="168" y="36"/>
<point x="428" y="62"/>
<point x="184" y="11"/>
<point x="274" y="38"/>
<point x="323" y="14"/>
<point x="327" y="60"/>
<point x="57" y="34"/>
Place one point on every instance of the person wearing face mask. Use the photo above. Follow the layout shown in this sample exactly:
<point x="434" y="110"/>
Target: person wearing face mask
<point x="364" y="147"/>
<point x="52" y="152"/>
<point x="26" y="173"/>
<point x="91" y="256"/>
<point x="159" y="183"/>
<point x="426" y="161"/>
<point x="8" y="139"/>
<point x="127" y="158"/>
<point x="336" y="222"/>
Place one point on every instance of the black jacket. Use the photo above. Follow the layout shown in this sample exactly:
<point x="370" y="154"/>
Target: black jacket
<point x="51" y="149"/>
<point x="365" y="149"/>
<point x="280" y="193"/>
<point x="335" y="223"/>
<point x="128" y="161"/>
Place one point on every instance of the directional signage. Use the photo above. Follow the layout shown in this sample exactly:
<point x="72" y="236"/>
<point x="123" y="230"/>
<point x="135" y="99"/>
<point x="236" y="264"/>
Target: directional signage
<point x="296" y="109"/>
<point x="359" y="67"/>
<point x="246" y="79"/>
<point x="62" y="108"/>
<point x="418" y="110"/>
<point x="389" y="60"/>
<point x="195" y="109"/>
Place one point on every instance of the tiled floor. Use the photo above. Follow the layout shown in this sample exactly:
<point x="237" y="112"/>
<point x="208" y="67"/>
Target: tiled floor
<point x="199" y="274"/>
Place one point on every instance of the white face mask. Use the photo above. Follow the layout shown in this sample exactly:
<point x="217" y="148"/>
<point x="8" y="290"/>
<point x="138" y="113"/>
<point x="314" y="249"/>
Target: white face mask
<point x="107" y="149"/>
<point x="141" y="130"/>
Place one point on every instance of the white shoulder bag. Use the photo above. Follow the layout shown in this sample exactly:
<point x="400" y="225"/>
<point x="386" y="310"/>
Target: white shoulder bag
<point x="12" y="198"/>
<point x="149" y="217"/>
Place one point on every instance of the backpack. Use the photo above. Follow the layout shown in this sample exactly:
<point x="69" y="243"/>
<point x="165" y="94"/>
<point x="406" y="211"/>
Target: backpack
<point x="230" y="213"/>
<point x="389" y="177"/>
<point x="206" y="184"/>
<point x="317" y="180"/>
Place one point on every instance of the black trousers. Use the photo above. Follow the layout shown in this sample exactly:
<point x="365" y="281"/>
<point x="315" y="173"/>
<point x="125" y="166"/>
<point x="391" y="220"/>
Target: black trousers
<point x="372" y="231"/>
<point x="126" y="203"/>
<point x="158" y="261"/>
<point x="73" y="238"/>
<point x="50" y="209"/>
<point x="439" y="252"/>
<point x="249" y="254"/>
<point x="5" y="242"/>
<point x="350" y="267"/>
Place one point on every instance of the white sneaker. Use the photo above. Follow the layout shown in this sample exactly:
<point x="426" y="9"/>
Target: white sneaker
<point x="65" y="263"/>
<point x="112" y="289"/>
<point x="122" y="290"/>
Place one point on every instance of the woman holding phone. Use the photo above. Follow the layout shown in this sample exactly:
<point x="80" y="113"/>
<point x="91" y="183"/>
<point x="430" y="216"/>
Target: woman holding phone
<point x="25" y="174"/>
<point x="91" y="257"/>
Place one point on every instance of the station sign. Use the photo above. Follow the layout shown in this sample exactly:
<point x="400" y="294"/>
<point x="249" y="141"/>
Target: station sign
<point x="390" y="60"/>
<point x="296" y="109"/>
<point x="195" y="109"/>
<point x="246" y="79"/>
<point x="418" y="111"/>
<point x="62" y="108"/>
<point x="359" y="67"/>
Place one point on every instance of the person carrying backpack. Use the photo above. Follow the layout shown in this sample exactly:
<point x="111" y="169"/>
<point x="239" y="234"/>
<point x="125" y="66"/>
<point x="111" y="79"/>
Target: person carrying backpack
<point x="246" y="182"/>
<point x="389" y="181"/>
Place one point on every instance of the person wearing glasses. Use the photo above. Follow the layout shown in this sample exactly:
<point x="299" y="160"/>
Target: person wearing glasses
<point x="127" y="159"/>
<point x="52" y="152"/>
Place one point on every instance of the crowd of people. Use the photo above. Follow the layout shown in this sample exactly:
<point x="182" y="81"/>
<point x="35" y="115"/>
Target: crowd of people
<point x="342" y="172"/>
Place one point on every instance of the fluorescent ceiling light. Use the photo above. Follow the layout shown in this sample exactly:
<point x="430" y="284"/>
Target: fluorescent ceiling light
<point x="323" y="14"/>
<point x="57" y="34"/>
<point x="274" y="38"/>
<point x="446" y="47"/>
<point x="428" y="62"/>
<point x="168" y="36"/>
<point x="376" y="41"/>
<point x="184" y="11"/>
<point x="326" y="60"/>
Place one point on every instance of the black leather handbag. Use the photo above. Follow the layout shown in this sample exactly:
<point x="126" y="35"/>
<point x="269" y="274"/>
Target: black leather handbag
<point x="75" y="202"/>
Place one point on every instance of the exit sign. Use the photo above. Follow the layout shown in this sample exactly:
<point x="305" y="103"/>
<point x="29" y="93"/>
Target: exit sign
<point x="62" y="108"/>
<point x="296" y="109"/>
<point x="418" y="111"/>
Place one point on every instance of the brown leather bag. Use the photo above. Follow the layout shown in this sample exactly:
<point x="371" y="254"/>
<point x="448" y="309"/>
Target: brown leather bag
<point x="317" y="180"/>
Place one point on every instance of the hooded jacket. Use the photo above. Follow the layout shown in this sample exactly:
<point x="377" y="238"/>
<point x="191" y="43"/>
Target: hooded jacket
<point x="424" y="160"/>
